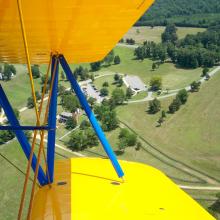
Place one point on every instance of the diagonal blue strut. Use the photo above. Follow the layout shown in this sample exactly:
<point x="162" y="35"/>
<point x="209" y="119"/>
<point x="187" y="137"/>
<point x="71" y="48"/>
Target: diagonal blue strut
<point x="91" y="116"/>
<point x="20" y="135"/>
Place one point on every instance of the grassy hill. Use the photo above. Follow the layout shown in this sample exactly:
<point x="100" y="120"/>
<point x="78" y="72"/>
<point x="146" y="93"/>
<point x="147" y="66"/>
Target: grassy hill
<point x="191" y="135"/>
<point x="182" y="12"/>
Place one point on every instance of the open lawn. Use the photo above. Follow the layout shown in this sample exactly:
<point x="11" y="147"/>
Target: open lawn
<point x="144" y="156"/>
<point x="172" y="77"/>
<point x="141" y="34"/>
<point x="12" y="180"/>
<point x="18" y="89"/>
<point x="112" y="85"/>
<point x="191" y="135"/>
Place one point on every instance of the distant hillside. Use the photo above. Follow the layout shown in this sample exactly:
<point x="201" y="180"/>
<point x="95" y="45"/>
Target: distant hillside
<point x="193" y="13"/>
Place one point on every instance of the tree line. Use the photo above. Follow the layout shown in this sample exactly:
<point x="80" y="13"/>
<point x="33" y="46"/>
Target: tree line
<point x="200" y="50"/>
<point x="194" y="13"/>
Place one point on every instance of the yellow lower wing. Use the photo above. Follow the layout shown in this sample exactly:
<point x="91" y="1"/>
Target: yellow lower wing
<point x="88" y="189"/>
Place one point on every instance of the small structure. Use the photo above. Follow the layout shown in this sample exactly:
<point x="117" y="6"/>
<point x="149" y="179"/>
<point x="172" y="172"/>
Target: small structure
<point x="62" y="118"/>
<point x="135" y="83"/>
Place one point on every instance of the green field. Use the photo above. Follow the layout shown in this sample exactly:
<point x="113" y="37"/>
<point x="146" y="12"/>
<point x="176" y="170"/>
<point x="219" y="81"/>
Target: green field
<point x="12" y="180"/>
<point x="173" y="77"/>
<point x="141" y="34"/>
<point x="191" y="135"/>
<point x="110" y="79"/>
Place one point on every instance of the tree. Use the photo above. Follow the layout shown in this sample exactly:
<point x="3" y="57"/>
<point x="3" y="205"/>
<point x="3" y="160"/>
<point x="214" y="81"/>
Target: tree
<point x="84" y="74"/>
<point x="35" y="71"/>
<point x="105" y="84"/>
<point x="38" y="96"/>
<point x="175" y="105"/>
<point x="116" y="77"/>
<point x="71" y="123"/>
<point x="195" y="86"/>
<point x="77" y="141"/>
<point x="95" y="66"/>
<point x="43" y="79"/>
<point x="13" y="69"/>
<point x="129" y="93"/>
<point x="92" y="139"/>
<point x="7" y="72"/>
<point x="120" y="82"/>
<point x="139" y="146"/>
<point x="170" y="34"/>
<point x="91" y="101"/>
<point x="104" y="91"/>
<point x="17" y="113"/>
<point x="156" y="83"/>
<point x="139" y="52"/>
<point x="117" y="60"/>
<point x="28" y="135"/>
<point x="70" y="102"/>
<point x="160" y="121"/>
<point x="118" y="96"/>
<point x="154" y="66"/>
<point x="6" y="136"/>
<point x="30" y="102"/>
<point x="171" y="51"/>
<point x="131" y="139"/>
<point x="109" y="58"/>
<point x="122" y="40"/>
<point x="154" y="106"/>
<point x="205" y="71"/>
<point x="107" y="116"/>
<point x="183" y="96"/>
<point x="81" y="72"/>
<point x="63" y="76"/>
<point x="127" y="138"/>
<point x="61" y="90"/>
<point x="130" y="41"/>
<point x="84" y="125"/>
<point x="122" y="144"/>
<point x="163" y="114"/>
<point x="92" y="77"/>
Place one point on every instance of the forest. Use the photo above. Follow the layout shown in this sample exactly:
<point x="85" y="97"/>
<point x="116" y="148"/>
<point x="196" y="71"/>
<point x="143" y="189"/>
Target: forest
<point x="194" y="13"/>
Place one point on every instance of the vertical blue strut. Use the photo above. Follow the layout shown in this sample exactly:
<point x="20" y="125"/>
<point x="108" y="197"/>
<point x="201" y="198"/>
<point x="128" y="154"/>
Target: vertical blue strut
<point x="52" y="120"/>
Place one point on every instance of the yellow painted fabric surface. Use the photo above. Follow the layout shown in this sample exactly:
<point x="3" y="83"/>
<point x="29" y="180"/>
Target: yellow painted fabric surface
<point x="84" y="31"/>
<point x="93" y="192"/>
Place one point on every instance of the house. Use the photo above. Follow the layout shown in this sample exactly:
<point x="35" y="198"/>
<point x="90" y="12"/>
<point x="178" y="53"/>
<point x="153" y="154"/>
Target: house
<point x="62" y="118"/>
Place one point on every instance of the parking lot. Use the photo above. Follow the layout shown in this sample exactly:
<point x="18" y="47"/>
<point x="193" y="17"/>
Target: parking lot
<point x="135" y="83"/>
<point x="91" y="91"/>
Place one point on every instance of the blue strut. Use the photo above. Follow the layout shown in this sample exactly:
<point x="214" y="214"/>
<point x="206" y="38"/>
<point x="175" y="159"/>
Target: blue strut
<point x="20" y="135"/>
<point x="52" y="120"/>
<point x="91" y="116"/>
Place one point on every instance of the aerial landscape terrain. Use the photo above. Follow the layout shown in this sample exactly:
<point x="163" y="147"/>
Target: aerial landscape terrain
<point x="156" y="96"/>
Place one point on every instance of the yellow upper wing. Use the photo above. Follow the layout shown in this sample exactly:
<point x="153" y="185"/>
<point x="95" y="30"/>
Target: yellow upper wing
<point x="83" y="30"/>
